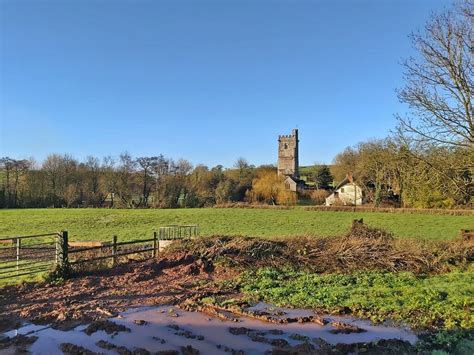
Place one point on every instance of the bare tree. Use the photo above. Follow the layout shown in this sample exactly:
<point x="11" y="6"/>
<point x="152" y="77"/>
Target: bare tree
<point x="110" y="181"/>
<point x="148" y="168"/>
<point x="162" y="166"/>
<point x="439" y="82"/>
<point x="125" y="172"/>
<point x="12" y="171"/>
<point x="60" y="171"/>
<point x="242" y="165"/>
<point x="183" y="167"/>
<point x="93" y="172"/>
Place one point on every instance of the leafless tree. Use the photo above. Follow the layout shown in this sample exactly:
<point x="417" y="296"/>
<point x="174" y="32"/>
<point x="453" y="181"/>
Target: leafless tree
<point x="183" y="167"/>
<point x="439" y="81"/>
<point x="148" y="167"/>
<point x="109" y="181"/>
<point x="60" y="171"/>
<point x="13" y="171"/>
<point x="126" y="169"/>
<point x="242" y="165"/>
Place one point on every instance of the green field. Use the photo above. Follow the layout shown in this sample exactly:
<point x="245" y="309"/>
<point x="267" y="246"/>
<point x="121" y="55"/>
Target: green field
<point x="102" y="224"/>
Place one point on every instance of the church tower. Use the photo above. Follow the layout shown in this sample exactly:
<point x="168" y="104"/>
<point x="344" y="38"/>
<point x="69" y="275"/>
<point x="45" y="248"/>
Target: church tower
<point x="288" y="155"/>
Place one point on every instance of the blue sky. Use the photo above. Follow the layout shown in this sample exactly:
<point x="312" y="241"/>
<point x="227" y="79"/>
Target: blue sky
<point x="208" y="81"/>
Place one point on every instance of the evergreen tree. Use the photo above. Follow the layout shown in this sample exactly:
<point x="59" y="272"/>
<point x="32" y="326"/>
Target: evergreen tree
<point x="323" y="177"/>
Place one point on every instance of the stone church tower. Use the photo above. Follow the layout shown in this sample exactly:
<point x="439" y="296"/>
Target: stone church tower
<point x="288" y="155"/>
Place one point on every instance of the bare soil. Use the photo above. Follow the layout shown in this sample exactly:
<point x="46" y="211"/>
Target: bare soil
<point x="167" y="280"/>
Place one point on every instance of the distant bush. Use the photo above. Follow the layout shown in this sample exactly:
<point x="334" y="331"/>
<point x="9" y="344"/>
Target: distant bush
<point x="316" y="197"/>
<point x="256" y="205"/>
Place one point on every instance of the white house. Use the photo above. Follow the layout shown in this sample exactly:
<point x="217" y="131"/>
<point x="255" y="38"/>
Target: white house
<point x="347" y="193"/>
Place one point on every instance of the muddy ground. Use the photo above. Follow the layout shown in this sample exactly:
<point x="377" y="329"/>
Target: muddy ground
<point x="167" y="280"/>
<point x="190" y="268"/>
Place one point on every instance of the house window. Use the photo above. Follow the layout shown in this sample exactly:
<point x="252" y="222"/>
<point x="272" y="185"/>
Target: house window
<point x="342" y="189"/>
<point x="286" y="146"/>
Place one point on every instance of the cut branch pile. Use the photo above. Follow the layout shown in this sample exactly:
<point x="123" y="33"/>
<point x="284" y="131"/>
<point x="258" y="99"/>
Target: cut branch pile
<point x="364" y="248"/>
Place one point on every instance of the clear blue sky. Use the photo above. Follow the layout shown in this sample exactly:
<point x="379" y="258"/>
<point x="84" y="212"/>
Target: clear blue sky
<point x="208" y="81"/>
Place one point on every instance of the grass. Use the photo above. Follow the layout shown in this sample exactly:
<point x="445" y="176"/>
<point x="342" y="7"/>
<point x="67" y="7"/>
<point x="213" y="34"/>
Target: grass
<point x="443" y="304"/>
<point x="102" y="224"/>
<point x="38" y="277"/>
<point x="444" y="301"/>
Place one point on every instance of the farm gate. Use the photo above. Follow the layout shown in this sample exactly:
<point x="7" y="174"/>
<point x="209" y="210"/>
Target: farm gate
<point x="27" y="255"/>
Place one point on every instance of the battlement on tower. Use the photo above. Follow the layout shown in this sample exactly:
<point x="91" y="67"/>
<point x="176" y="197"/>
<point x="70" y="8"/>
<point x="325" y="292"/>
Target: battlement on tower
<point x="294" y="134"/>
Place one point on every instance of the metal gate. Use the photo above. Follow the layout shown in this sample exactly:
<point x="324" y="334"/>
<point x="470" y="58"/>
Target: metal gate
<point x="25" y="256"/>
<point x="176" y="231"/>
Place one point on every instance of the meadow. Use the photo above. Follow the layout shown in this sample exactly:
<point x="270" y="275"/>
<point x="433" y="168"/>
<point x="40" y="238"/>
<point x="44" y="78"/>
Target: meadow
<point x="102" y="224"/>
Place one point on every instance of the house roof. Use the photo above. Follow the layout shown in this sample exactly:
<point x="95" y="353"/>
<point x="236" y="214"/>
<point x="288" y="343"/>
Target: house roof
<point x="342" y="183"/>
<point x="346" y="181"/>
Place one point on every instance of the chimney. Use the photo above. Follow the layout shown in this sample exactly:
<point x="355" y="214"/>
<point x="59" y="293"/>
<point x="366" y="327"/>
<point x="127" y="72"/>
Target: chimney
<point x="350" y="178"/>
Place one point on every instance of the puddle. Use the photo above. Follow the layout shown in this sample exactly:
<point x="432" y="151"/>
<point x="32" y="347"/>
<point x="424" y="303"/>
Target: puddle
<point x="169" y="328"/>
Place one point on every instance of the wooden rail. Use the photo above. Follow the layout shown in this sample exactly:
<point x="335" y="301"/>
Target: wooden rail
<point x="166" y="233"/>
<point x="115" y="253"/>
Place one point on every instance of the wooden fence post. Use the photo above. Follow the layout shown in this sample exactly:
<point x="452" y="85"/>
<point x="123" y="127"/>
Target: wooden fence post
<point x="56" y="256"/>
<point x="18" y="247"/>
<point x="155" y="244"/>
<point x="114" y="250"/>
<point x="62" y="254"/>
<point x="64" y="248"/>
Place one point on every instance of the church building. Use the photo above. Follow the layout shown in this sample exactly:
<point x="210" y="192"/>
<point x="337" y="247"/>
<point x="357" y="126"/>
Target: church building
<point x="288" y="164"/>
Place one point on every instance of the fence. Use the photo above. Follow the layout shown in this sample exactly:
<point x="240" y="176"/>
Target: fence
<point x="27" y="255"/>
<point x="175" y="231"/>
<point x="34" y="254"/>
<point x="113" y="251"/>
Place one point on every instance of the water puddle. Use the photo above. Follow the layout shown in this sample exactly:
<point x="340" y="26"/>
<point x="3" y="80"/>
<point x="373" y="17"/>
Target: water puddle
<point x="169" y="328"/>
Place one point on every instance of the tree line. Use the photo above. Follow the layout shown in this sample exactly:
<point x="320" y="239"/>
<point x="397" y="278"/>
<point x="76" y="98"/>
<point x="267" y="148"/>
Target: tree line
<point x="63" y="181"/>
<point x="388" y="171"/>
<point x="127" y="182"/>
